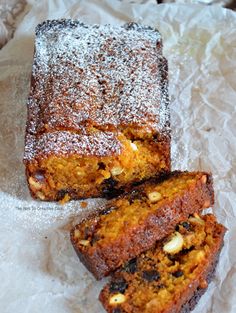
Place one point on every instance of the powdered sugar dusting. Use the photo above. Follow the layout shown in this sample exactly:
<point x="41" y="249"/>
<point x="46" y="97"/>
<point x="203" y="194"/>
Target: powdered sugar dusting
<point x="100" y="75"/>
<point x="64" y="143"/>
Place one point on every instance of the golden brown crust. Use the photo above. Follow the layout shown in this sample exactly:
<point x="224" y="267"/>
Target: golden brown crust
<point x="150" y="225"/>
<point x="189" y="283"/>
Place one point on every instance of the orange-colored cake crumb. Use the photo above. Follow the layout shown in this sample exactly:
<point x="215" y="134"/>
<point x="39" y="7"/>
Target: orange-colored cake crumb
<point x="83" y="204"/>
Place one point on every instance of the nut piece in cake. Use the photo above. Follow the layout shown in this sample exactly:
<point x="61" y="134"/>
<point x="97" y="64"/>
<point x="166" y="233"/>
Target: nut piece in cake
<point x="175" y="244"/>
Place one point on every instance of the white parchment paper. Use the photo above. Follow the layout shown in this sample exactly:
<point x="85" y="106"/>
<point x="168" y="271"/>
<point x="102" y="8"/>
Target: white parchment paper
<point x="39" y="271"/>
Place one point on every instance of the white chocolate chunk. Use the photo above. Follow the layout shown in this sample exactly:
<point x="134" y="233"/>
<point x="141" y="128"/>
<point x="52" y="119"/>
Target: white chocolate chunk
<point x="40" y="195"/>
<point x="196" y="219"/>
<point x="116" y="170"/>
<point x="84" y="242"/>
<point x="35" y="184"/>
<point x="117" y="299"/>
<point x="133" y="146"/>
<point x="154" y="196"/>
<point x="77" y="233"/>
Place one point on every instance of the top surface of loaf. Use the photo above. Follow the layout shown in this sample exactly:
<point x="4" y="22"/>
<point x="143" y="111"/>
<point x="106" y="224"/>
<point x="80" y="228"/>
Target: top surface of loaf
<point x="99" y="76"/>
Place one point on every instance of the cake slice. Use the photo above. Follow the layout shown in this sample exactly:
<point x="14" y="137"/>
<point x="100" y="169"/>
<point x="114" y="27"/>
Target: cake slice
<point x="133" y="222"/>
<point x="170" y="277"/>
<point x="98" y="110"/>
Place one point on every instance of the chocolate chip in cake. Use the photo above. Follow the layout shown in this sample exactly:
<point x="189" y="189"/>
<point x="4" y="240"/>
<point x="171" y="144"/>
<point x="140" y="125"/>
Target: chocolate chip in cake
<point x="110" y="194"/>
<point x="186" y="225"/>
<point x="136" y="195"/>
<point x="177" y="227"/>
<point x="110" y="182"/>
<point x="101" y="166"/>
<point x="171" y="257"/>
<point x="137" y="183"/>
<point x="131" y="266"/>
<point x="61" y="194"/>
<point x="151" y="275"/>
<point x="87" y="232"/>
<point x="94" y="239"/>
<point x="186" y="251"/>
<point x="39" y="176"/>
<point x="178" y="273"/>
<point x="119" y="285"/>
<point x="109" y="190"/>
<point x="156" y="137"/>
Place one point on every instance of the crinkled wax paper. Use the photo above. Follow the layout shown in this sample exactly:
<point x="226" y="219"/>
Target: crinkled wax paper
<point x="39" y="271"/>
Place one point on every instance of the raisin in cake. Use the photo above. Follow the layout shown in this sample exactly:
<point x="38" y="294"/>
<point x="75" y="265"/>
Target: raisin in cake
<point x="133" y="222"/>
<point x="98" y="117"/>
<point x="170" y="277"/>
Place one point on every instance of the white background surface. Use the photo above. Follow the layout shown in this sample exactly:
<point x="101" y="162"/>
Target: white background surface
<point x="39" y="271"/>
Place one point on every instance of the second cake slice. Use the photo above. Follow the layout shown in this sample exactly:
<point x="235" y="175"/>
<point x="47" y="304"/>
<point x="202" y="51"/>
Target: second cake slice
<point x="133" y="222"/>
<point x="162" y="280"/>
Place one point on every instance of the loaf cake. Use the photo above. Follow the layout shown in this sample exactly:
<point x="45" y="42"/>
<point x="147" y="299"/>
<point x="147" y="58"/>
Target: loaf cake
<point x="133" y="222"/>
<point x="98" y="115"/>
<point x="170" y="277"/>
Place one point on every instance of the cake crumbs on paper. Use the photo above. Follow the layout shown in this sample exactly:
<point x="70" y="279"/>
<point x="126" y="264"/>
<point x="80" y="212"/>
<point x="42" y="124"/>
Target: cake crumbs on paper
<point x="83" y="204"/>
